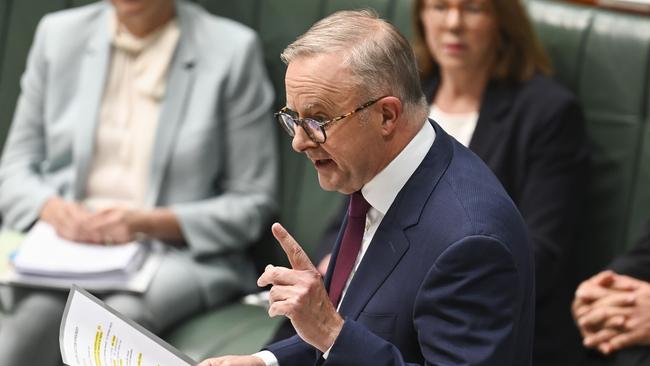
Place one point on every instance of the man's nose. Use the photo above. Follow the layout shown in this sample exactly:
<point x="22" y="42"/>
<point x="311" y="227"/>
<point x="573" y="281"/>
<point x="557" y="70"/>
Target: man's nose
<point x="301" y="141"/>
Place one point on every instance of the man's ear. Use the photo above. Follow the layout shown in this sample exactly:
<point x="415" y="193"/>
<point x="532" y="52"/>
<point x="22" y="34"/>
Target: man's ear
<point x="391" y="112"/>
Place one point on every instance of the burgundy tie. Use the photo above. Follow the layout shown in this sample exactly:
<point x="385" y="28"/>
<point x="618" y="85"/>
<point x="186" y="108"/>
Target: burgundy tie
<point x="350" y="245"/>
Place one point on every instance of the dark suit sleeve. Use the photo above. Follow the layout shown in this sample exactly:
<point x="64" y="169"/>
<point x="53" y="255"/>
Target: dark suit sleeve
<point x="293" y="352"/>
<point x="465" y="313"/>
<point x="636" y="261"/>
<point x="551" y="194"/>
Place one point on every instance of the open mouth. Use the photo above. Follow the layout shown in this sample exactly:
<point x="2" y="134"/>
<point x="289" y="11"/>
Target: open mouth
<point x="323" y="163"/>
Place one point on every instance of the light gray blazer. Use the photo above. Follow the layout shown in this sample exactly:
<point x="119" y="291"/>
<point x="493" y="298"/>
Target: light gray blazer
<point x="214" y="160"/>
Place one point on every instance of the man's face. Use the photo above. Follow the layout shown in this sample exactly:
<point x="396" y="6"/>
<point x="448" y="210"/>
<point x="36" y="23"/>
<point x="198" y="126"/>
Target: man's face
<point x="319" y="87"/>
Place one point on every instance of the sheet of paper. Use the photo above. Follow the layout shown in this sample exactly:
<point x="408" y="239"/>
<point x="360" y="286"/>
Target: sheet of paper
<point x="136" y="281"/>
<point x="93" y="334"/>
<point x="44" y="252"/>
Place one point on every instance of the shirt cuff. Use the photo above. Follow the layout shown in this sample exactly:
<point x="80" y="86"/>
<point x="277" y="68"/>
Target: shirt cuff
<point x="268" y="358"/>
<point x="327" y="353"/>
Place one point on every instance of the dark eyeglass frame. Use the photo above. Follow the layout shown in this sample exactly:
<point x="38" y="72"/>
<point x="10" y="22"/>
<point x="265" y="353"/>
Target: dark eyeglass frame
<point x="284" y="113"/>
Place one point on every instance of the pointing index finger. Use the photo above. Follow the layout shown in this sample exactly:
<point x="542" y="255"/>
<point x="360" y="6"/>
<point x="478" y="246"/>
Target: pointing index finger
<point x="297" y="256"/>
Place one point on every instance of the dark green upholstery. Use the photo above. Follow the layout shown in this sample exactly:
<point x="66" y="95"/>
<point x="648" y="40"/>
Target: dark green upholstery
<point x="244" y="11"/>
<point x="603" y="56"/>
<point x="20" y="24"/>
<point x="238" y="322"/>
<point x="4" y="17"/>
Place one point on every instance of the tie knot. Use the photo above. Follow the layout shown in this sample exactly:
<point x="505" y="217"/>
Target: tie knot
<point x="358" y="205"/>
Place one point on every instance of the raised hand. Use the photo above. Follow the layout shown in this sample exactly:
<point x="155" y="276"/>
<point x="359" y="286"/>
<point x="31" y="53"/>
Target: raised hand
<point x="299" y="294"/>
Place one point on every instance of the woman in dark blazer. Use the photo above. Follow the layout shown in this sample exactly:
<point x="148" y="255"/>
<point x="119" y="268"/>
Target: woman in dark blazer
<point x="486" y="76"/>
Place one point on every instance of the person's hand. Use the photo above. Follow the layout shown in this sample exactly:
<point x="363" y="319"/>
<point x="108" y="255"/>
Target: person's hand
<point x="596" y="288"/>
<point x="114" y="225"/>
<point x="322" y="266"/>
<point x="591" y="307"/>
<point x="233" y="361"/>
<point x="605" y="319"/>
<point x="610" y="310"/>
<point x="299" y="294"/>
<point x="69" y="220"/>
<point x="625" y="325"/>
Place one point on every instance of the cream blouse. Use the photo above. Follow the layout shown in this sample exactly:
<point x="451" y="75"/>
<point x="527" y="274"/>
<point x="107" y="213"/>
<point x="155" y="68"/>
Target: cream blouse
<point x="128" y="119"/>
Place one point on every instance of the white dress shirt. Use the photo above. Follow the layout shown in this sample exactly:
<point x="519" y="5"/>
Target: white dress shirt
<point x="380" y="192"/>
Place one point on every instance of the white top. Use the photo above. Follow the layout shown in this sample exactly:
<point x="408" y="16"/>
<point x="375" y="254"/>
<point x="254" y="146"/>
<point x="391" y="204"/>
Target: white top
<point x="128" y="118"/>
<point x="380" y="193"/>
<point x="460" y="126"/>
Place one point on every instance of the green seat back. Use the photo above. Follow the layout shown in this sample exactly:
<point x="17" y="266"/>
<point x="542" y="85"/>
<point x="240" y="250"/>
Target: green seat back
<point x="4" y="20"/>
<point x="604" y="57"/>
<point x="243" y="11"/>
<point x="20" y="22"/>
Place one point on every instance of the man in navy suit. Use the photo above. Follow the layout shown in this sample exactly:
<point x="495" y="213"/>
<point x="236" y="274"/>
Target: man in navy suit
<point x="441" y="270"/>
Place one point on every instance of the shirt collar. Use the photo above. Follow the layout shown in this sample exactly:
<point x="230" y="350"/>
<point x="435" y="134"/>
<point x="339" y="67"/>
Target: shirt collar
<point x="380" y="191"/>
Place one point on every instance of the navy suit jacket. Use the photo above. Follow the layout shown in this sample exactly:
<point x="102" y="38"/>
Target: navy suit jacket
<point x="532" y="136"/>
<point x="448" y="278"/>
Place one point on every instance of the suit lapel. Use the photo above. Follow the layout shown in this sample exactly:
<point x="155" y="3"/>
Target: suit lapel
<point x="385" y="251"/>
<point x="490" y="127"/>
<point x="390" y="242"/>
<point x="180" y="79"/>
<point x="94" y="70"/>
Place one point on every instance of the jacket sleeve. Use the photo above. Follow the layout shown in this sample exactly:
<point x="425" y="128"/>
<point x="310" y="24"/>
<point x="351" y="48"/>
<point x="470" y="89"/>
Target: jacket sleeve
<point x="247" y="195"/>
<point x="636" y="261"/>
<point x="551" y="197"/>
<point x="23" y="190"/>
<point x="293" y="352"/>
<point x="467" y="312"/>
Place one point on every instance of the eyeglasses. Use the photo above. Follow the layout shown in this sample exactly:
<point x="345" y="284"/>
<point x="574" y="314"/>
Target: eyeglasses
<point x="313" y="128"/>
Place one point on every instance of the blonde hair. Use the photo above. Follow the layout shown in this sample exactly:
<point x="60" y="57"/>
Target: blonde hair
<point x="519" y="56"/>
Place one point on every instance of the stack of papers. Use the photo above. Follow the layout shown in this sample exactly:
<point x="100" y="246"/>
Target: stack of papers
<point x="44" y="253"/>
<point x="43" y="259"/>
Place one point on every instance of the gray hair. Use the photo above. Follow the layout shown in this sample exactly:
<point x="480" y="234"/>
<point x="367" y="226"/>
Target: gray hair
<point x="380" y="59"/>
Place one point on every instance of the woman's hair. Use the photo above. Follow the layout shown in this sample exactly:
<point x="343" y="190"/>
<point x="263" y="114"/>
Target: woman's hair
<point x="520" y="54"/>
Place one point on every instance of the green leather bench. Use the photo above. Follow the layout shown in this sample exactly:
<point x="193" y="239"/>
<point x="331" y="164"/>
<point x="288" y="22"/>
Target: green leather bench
<point x="602" y="55"/>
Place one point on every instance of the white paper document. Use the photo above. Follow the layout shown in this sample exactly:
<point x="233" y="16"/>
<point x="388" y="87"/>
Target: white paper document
<point x="93" y="334"/>
<point x="43" y="252"/>
<point x="42" y="259"/>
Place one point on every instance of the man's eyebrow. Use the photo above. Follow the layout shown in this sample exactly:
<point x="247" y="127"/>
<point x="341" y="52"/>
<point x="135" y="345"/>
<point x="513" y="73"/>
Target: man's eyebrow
<point x="308" y="108"/>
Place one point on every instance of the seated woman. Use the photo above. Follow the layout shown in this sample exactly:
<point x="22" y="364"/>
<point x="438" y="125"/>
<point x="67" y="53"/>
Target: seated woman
<point x="146" y="118"/>
<point x="612" y="309"/>
<point x="485" y="74"/>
